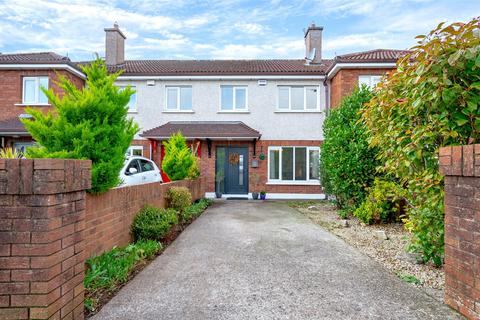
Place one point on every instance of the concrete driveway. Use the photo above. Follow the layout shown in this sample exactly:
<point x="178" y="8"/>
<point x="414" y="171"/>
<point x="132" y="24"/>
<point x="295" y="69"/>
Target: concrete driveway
<point x="263" y="260"/>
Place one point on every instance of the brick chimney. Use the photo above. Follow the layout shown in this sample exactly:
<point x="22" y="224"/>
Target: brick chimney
<point x="313" y="44"/>
<point x="114" y="45"/>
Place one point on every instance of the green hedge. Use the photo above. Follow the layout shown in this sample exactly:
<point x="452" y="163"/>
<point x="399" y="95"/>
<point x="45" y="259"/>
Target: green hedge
<point x="152" y="223"/>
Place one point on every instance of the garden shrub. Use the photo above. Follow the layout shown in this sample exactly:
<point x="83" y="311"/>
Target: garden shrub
<point x="179" y="161"/>
<point x="431" y="100"/>
<point x="347" y="163"/>
<point x="196" y="209"/>
<point x="178" y="198"/>
<point x="153" y="223"/>
<point x="382" y="204"/>
<point x="88" y="123"/>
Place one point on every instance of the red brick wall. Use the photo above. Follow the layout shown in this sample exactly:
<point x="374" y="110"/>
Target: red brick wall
<point x="109" y="216"/>
<point x="42" y="212"/>
<point x="343" y="83"/>
<point x="207" y="165"/>
<point x="145" y="144"/>
<point x="461" y="167"/>
<point x="11" y="82"/>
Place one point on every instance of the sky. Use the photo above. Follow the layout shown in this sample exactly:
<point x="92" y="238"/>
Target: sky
<point x="223" y="29"/>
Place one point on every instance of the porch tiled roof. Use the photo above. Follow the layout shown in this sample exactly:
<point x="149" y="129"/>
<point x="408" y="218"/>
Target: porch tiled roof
<point x="203" y="130"/>
<point x="12" y="126"/>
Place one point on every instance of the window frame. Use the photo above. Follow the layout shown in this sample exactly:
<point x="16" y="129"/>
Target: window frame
<point x="318" y="107"/>
<point x="370" y="79"/>
<point x="37" y="90"/>
<point x="134" y="109"/>
<point x="307" y="181"/>
<point x="130" y="150"/>
<point x="177" y="108"/>
<point x="234" y="97"/>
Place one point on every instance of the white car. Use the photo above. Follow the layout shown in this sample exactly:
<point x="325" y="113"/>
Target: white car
<point x="139" y="170"/>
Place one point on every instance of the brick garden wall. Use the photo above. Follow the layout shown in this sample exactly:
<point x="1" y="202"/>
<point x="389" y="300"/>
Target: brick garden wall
<point x="42" y="218"/>
<point x="461" y="167"/>
<point x="110" y="215"/>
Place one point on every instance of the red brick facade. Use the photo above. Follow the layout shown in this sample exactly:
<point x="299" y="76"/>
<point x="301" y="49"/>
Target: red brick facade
<point x="42" y="218"/>
<point x="461" y="167"/>
<point x="343" y="83"/>
<point x="207" y="165"/>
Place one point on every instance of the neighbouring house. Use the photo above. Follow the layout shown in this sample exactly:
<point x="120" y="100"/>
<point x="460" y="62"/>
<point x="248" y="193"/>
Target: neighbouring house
<point x="21" y="77"/>
<point x="244" y="118"/>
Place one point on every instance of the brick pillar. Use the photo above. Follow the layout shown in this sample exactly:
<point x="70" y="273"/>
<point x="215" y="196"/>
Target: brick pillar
<point x="42" y="218"/>
<point x="461" y="167"/>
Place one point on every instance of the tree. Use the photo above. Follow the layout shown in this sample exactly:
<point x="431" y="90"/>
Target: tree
<point x="88" y="123"/>
<point x="432" y="100"/>
<point x="347" y="163"/>
<point x="179" y="162"/>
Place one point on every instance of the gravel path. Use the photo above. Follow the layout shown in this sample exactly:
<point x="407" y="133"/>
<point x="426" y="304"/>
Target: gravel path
<point x="264" y="260"/>
<point x="390" y="253"/>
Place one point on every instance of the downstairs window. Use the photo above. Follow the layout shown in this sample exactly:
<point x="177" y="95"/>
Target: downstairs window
<point x="293" y="164"/>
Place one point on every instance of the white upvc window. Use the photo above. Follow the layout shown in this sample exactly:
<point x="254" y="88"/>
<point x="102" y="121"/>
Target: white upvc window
<point x="233" y="98"/>
<point x="369" y="80"/>
<point x="298" y="98"/>
<point x="132" y="104"/>
<point x="293" y="165"/>
<point x="134" y="151"/>
<point x="32" y="92"/>
<point x="178" y="98"/>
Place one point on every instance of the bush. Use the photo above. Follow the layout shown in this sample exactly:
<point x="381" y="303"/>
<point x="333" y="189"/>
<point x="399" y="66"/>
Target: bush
<point x="383" y="203"/>
<point x="196" y="209"/>
<point x="347" y="163"/>
<point x="88" y="123"/>
<point x="179" y="161"/>
<point x="152" y="223"/>
<point x="430" y="101"/>
<point x="112" y="268"/>
<point x="194" y="170"/>
<point x="178" y="198"/>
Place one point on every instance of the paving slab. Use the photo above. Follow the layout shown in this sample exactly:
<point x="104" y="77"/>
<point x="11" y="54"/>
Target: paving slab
<point x="264" y="260"/>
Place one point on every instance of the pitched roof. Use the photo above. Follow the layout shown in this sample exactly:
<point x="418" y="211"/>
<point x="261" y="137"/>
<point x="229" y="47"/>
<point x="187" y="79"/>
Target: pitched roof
<point x="12" y="126"/>
<point x="220" y="67"/>
<point x="203" y="129"/>
<point x="36" y="57"/>
<point x="377" y="55"/>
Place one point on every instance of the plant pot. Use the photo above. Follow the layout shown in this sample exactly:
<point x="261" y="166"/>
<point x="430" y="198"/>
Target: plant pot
<point x="218" y="195"/>
<point x="263" y="196"/>
<point x="255" y="195"/>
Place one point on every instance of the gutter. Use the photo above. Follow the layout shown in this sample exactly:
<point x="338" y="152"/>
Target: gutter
<point x="33" y="66"/>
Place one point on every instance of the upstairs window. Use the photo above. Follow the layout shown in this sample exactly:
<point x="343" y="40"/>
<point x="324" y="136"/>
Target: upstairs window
<point x="298" y="98"/>
<point x="369" y="80"/>
<point x="179" y="98"/>
<point x="233" y="98"/>
<point x="32" y="93"/>
<point x="132" y="104"/>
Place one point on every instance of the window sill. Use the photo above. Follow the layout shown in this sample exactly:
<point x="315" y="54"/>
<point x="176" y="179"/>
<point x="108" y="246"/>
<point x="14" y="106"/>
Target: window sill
<point x="298" y="111"/>
<point x="296" y="183"/>
<point x="233" y="111"/>
<point x="178" y="111"/>
<point x="33" y="104"/>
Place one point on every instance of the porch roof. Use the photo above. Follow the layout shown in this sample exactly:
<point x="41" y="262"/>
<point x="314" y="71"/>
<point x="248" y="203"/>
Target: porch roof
<point x="214" y="130"/>
<point x="13" y="127"/>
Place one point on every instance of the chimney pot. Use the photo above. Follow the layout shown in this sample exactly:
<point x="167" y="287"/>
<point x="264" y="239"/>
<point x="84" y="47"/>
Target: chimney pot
<point x="114" y="45"/>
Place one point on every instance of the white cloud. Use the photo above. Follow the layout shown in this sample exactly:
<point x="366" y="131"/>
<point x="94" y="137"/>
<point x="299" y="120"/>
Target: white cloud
<point x="252" y="28"/>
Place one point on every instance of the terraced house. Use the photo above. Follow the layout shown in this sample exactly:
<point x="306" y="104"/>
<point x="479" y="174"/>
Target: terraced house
<point x="258" y="122"/>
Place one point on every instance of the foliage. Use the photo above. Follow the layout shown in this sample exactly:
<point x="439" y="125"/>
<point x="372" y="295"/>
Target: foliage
<point x="196" y="209"/>
<point x="112" y="268"/>
<point x="347" y="164"/>
<point x="263" y="192"/>
<point x="179" y="159"/>
<point x="194" y="170"/>
<point x="88" y="123"/>
<point x="10" y="153"/>
<point x="382" y="204"/>
<point x="409" y="278"/>
<point x="152" y="223"/>
<point x="179" y="198"/>
<point x="432" y="100"/>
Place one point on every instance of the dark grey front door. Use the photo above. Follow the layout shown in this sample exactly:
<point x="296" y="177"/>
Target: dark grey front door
<point x="236" y="170"/>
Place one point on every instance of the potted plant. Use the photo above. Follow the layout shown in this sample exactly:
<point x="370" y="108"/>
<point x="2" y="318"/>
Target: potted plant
<point x="255" y="179"/>
<point x="263" y="195"/>
<point x="219" y="178"/>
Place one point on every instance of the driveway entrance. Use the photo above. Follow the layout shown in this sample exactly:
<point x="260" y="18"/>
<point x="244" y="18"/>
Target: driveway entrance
<point x="263" y="260"/>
